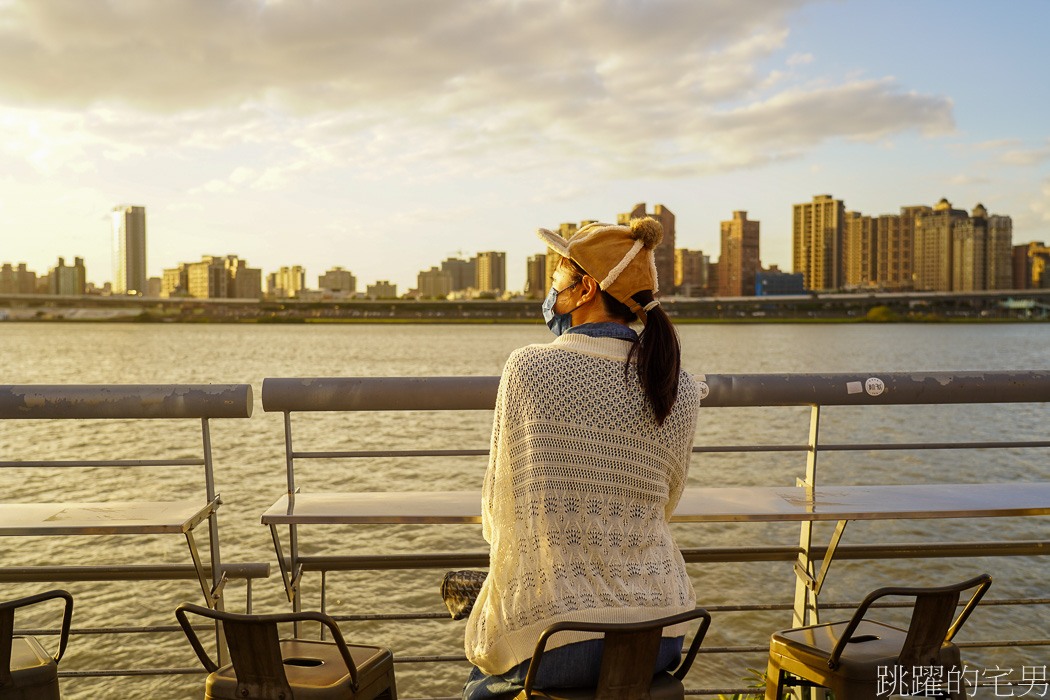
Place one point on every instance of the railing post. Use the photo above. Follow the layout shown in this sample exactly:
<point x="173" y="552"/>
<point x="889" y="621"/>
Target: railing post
<point x="213" y="541"/>
<point x="293" y="534"/>
<point x="805" y="604"/>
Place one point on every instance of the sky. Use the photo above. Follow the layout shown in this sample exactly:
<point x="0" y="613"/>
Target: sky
<point x="384" y="137"/>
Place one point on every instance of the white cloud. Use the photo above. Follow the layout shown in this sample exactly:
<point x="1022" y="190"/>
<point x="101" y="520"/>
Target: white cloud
<point x="427" y="89"/>
<point x="965" y="180"/>
<point x="1026" y="157"/>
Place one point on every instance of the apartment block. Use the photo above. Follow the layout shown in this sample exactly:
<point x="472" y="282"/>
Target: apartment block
<point x="816" y="241"/>
<point x="491" y="272"/>
<point x="68" y="280"/>
<point x="536" y="277"/>
<point x="17" y="280"/>
<point x="690" y="272"/>
<point x="860" y="241"/>
<point x="434" y="283"/>
<point x="337" y="280"/>
<point x="934" y="249"/>
<point x="463" y="272"/>
<point x="287" y="282"/>
<point x="382" y="289"/>
<point x="739" y="260"/>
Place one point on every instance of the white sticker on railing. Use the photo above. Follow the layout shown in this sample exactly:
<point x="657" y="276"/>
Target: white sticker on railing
<point x="874" y="386"/>
<point x="703" y="389"/>
<point x="854" y="387"/>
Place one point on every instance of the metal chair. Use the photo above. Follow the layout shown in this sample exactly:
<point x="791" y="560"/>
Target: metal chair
<point x="862" y="658"/>
<point x="267" y="668"/>
<point x="27" y="671"/>
<point x="628" y="658"/>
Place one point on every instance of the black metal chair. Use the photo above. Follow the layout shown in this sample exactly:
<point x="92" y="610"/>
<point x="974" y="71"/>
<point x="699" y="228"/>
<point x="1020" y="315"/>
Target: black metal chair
<point x="265" y="667"/>
<point x="846" y="657"/>
<point x="628" y="658"/>
<point x="26" y="669"/>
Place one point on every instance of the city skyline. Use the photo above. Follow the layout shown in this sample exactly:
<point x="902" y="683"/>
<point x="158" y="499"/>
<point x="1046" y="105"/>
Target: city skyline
<point x="243" y="136"/>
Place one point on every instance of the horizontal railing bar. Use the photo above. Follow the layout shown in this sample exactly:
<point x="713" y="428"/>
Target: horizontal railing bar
<point x="743" y="607"/>
<point x="711" y="449"/>
<point x="904" y="550"/>
<point x="876" y="446"/>
<point x="389" y="453"/>
<point x="723" y="390"/>
<point x="85" y="401"/>
<point x="148" y="629"/>
<point x="119" y="672"/>
<point x="196" y="462"/>
<point x="127" y="572"/>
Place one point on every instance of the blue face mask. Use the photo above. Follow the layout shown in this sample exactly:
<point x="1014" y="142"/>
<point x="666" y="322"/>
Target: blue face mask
<point x="558" y="323"/>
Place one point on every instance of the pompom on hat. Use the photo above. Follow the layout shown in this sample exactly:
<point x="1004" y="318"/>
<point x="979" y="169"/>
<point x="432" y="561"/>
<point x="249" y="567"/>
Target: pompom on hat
<point x="621" y="258"/>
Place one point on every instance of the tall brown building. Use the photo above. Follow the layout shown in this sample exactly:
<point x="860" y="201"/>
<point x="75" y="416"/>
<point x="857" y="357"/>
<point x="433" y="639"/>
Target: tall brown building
<point x="536" y="277"/>
<point x="816" y="241"/>
<point x="1000" y="245"/>
<point x="491" y="274"/>
<point x="739" y="261"/>
<point x="1030" y="263"/>
<point x="17" y="280"/>
<point x="933" y="247"/>
<point x="860" y="240"/>
<point x="690" y="272"/>
<point x="664" y="251"/>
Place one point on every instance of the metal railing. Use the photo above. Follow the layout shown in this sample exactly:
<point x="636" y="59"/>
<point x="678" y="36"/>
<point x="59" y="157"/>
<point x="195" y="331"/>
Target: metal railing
<point x="287" y="396"/>
<point x="202" y="402"/>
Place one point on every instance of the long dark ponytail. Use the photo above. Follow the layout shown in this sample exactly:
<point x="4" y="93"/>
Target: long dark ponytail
<point x="657" y="353"/>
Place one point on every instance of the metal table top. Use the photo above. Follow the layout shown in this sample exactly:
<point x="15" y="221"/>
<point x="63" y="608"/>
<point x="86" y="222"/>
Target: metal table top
<point x="736" y="504"/>
<point x="109" y="518"/>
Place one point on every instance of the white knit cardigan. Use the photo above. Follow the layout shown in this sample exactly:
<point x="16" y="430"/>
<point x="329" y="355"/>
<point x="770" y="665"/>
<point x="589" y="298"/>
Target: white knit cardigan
<point x="580" y="485"/>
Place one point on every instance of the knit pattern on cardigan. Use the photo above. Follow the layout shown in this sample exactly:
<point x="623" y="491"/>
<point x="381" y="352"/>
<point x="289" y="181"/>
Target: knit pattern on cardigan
<point x="580" y="485"/>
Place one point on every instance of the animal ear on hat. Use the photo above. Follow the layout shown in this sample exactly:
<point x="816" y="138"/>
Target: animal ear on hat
<point x="647" y="230"/>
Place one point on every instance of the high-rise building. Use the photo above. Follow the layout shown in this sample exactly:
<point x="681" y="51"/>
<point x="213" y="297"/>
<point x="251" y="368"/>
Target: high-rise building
<point x="68" y="280"/>
<point x="970" y="252"/>
<point x="242" y="282"/>
<point x="690" y="271"/>
<point x="153" y="287"/>
<point x="859" y="244"/>
<point x="491" y="272"/>
<point x="665" y="251"/>
<point x="207" y="279"/>
<point x="286" y="282"/>
<point x="17" y="280"/>
<point x="1030" y="264"/>
<point x="337" y="280"/>
<point x="434" y="283"/>
<point x="129" y="250"/>
<point x="816" y="241"/>
<point x="934" y="247"/>
<point x="463" y="272"/>
<point x="175" y="281"/>
<point x="739" y="260"/>
<point x="1000" y="244"/>
<point x="536" y="277"/>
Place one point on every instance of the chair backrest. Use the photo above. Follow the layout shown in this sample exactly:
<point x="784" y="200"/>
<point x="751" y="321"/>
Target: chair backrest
<point x="255" y="649"/>
<point x="628" y="654"/>
<point x="931" y="620"/>
<point x="7" y="627"/>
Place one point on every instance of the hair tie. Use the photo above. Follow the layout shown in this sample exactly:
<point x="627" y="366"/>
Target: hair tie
<point x="648" y="307"/>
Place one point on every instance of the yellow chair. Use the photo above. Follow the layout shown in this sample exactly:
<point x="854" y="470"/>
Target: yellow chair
<point x="854" y="658"/>
<point x="628" y="658"/>
<point x="267" y="668"/>
<point x="27" y="671"/>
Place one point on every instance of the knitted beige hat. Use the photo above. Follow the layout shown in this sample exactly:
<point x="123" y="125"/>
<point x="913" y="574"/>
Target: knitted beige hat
<point x="621" y="258"/>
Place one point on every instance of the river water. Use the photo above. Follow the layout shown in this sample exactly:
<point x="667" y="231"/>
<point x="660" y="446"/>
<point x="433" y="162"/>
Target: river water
<point x="250" y="475"/>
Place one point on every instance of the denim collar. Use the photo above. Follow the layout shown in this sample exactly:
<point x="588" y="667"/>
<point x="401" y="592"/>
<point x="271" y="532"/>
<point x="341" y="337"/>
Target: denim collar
<point x="605" y="329"/>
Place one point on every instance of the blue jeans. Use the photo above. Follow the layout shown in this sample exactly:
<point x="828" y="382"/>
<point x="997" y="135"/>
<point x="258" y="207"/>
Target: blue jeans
<point x="573" y="665"/>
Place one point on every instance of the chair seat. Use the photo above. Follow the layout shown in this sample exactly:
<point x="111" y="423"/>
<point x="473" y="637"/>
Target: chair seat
<point x="812" y="646"/>
<point x="316" y="671"/>
<point x="664" y="687"/>
<point x="34" y="672"/>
